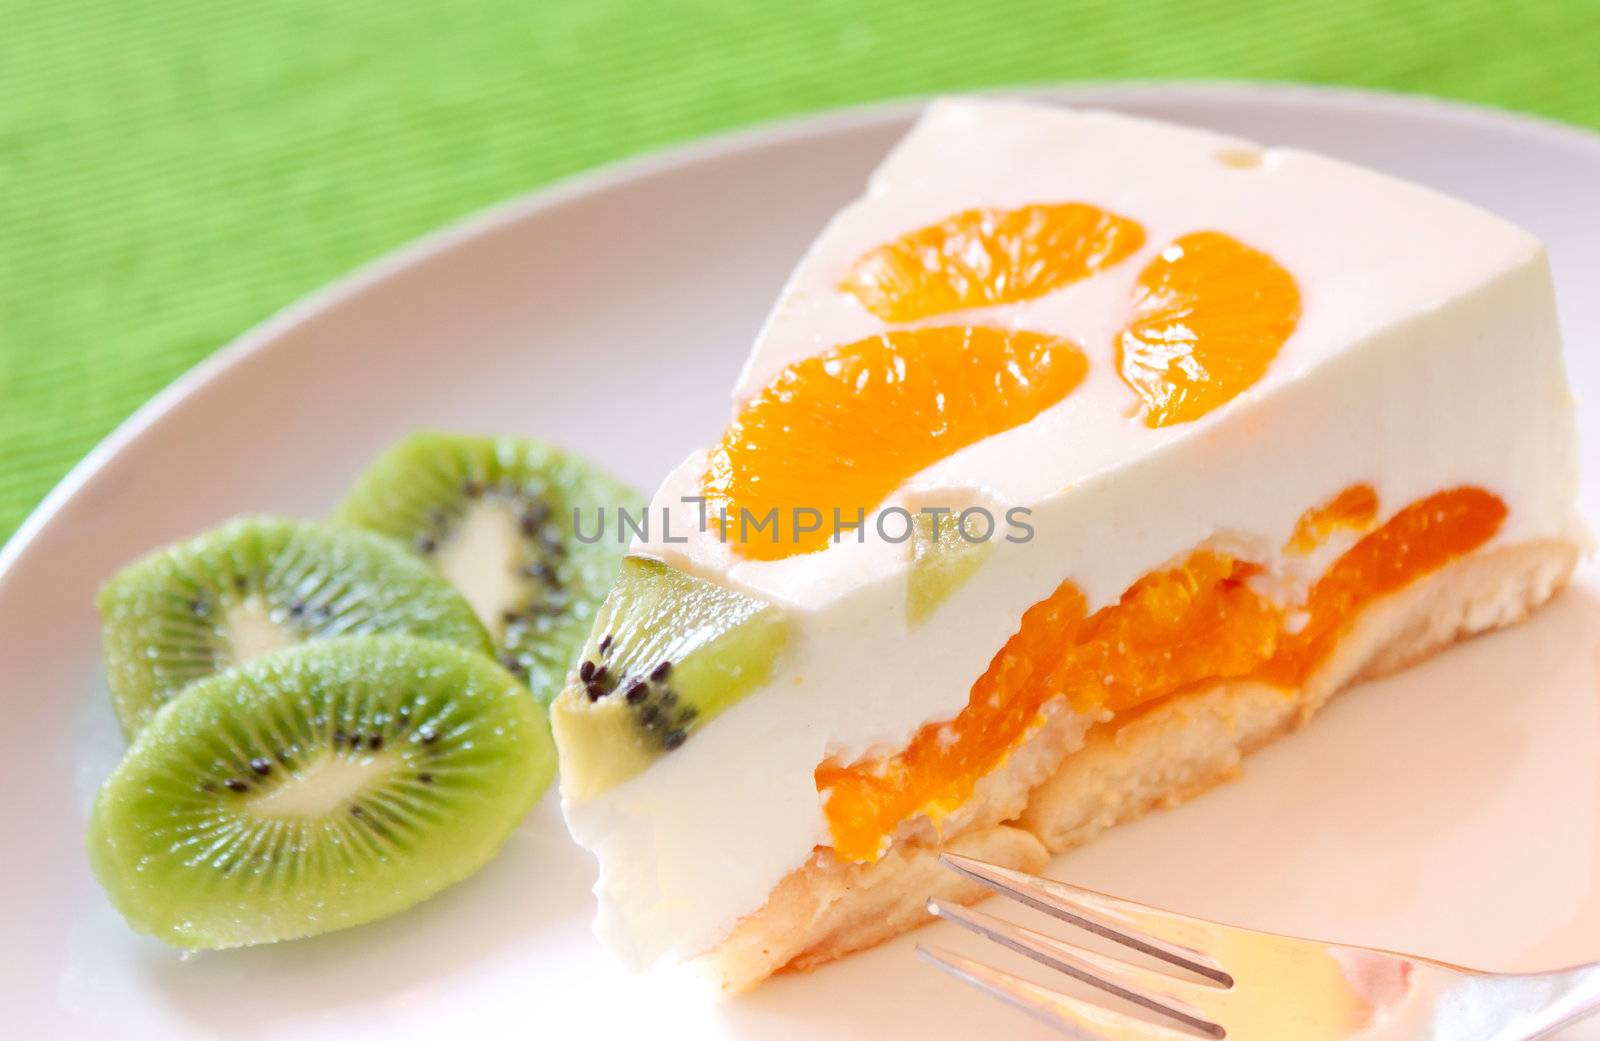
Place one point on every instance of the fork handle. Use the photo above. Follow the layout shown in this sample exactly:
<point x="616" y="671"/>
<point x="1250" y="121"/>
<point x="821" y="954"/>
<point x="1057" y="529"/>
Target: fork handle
<point x="1568" y="996"/>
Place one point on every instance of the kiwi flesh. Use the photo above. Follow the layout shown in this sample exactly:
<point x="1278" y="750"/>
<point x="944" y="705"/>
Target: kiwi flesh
<point x="495" y="517"/>
<point x="669" y="651"/>
<point x="325" y="786"/>
<point x="942" y="561"/>
<point x="258" y="585"/>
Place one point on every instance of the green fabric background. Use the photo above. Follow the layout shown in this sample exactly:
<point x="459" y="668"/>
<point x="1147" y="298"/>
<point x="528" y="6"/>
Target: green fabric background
<point x="173" y="171"/>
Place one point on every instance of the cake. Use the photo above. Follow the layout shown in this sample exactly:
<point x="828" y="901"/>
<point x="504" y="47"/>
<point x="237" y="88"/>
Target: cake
<point x="1079" y="457"/>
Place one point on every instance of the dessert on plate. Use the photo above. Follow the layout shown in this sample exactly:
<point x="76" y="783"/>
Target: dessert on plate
<point x="1080" y="456"/>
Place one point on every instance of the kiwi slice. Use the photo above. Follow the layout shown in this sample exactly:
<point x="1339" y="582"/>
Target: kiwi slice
<point x="942" y="561"/>
<point x="326" y="786"/>
<point x="258" y="585"/>
<point x="495" y="516"/>
<point x="668" y="653"/>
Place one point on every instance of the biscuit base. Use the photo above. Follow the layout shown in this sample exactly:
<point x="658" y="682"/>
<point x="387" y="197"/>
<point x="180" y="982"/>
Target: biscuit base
<point x="1077" y="776"/>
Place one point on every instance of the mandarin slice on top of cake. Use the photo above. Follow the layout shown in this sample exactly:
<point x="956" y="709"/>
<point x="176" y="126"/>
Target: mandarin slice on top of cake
<point x="1079" y="457"/>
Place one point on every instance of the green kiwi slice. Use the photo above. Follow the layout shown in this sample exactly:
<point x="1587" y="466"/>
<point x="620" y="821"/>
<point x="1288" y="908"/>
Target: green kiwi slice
<point x="668" y="653"/>
<point x="495" y="517"/>
<point x="942" y="561"/>
<point x="258" y="585"/>
<point x="325" y="786"/>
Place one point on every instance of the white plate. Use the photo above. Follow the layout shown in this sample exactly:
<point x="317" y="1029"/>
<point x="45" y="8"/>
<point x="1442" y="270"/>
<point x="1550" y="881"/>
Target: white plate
<point x="1453" y="811"/>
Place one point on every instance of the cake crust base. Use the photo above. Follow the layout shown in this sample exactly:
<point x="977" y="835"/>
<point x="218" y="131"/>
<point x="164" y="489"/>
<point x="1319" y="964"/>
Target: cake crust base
<point x="1076" y="777"/>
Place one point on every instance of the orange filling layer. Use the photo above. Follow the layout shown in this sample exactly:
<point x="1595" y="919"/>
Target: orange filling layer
<point x="1171" y="630"/>
<point x="1354" y="509"/>
<point x="978" y="258"/>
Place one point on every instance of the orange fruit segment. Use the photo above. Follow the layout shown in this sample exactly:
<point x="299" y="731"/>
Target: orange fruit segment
<point x="1422" y="538"/>
<point x="1354" y="509"/>
<point x="865" y="800"/>
<point x="1209" y="315"/>
<point x="983" y="257"/>
<point x="838" y="432"/>
<point x="1173" y="629"/>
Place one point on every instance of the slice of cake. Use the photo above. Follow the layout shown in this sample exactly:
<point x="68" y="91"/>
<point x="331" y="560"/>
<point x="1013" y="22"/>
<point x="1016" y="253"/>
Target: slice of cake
<point x="1081" y="456"/>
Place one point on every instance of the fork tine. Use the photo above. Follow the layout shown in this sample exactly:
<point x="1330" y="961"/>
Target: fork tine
<point x="1078" y="1018"/>
<point x="1182" y="1000"/>
<point x="1160" y="934"/>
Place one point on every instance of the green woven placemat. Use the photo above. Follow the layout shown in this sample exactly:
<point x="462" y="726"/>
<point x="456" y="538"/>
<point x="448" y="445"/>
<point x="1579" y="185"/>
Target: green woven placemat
<point x="172" y="172"/>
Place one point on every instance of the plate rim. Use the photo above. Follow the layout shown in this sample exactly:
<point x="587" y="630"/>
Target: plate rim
<point x="178" y="406"/>
<point x="595" y="180"/>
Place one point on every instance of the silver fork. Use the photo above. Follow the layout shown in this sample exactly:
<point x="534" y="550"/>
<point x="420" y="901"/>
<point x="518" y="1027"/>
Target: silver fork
<point x="1246" y="985"/>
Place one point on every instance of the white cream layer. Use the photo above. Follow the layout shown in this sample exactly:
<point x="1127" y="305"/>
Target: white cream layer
<point x="1427" y="356"/>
